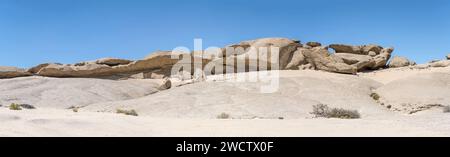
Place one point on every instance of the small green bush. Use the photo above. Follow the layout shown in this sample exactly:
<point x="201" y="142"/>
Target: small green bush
<point x="127" y="112"/>
<point x="14" y="106"/>
<point x="375" y="96"/>
<point x="322" y="110"/>
<point x="344" y="114"/>
<point x="223" y="116"/>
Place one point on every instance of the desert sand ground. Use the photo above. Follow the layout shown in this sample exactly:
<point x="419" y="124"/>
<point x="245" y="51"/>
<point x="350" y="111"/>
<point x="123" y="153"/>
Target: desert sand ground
<point x="192" y="109"/>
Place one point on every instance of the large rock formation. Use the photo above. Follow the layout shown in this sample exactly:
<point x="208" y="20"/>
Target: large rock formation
<point x="448" y="57"/>
<point x="159" y="62"/>
<point x="251" y="55"/>
<point x="260" y="50"/>
<point x="293" y="56"/>
<point x="320" y="59"/>
<point x="12" y="72"/>
<point x="363" y="57"/>
<point x="397" y="62"/>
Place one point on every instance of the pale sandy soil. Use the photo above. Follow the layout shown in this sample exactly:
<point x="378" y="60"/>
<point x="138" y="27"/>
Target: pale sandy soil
<point x="388" y="75"/>
<point x="412" y="90"/>
<point x="191" y="110"/>
<point x="66" y="92"/>
<point x="53" y="122"/>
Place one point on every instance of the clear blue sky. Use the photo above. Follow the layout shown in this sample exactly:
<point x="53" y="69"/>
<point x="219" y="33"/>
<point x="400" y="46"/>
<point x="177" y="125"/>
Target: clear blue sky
<point x="69" y="31"/>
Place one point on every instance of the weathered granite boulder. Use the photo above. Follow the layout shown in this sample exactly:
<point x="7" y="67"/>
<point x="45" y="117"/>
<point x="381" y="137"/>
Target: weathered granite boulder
<point x="397" y="62"/>
<point x="66" y="70"/>
<point x="382" y="59"/>
<point x="371" y="49"/>
<point x="442" y="63"/>
<point x="320" y="59"/>
<point x="363" y="50"/>
<point x="37" y="68"/>
<point x="113" y="61"/>
<point x="363" y="57"/>
<point x="313" y="44"/>
<point x="260" y="50"/>
<point x="12" y="72"/>
<point x="297" y="59"/>
<point x="342" y="48"/>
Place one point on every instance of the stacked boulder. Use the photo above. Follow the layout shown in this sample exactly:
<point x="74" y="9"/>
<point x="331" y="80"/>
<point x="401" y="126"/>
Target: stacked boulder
<point x="293" y="55"/>
<point x="256" y="55"/>
<point x="397" y="62"/>
<point x="442" y="63"/>
<point x="365" y="57"/>
<point x="319" y="58"/>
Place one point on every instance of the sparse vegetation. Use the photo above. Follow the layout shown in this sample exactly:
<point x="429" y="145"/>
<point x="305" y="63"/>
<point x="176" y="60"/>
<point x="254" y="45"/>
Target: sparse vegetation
<point x="14" y="106"/>
<point x="27" y="106"/>
<point x="74" y="108"/>
<point x="344" y="114"/>
<point x="223" y="116"/>
<point x="446" y="109"/>
<point x="127" y="112"/>
<point x="322" y="110"/>
<point x="375" y="96"/>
